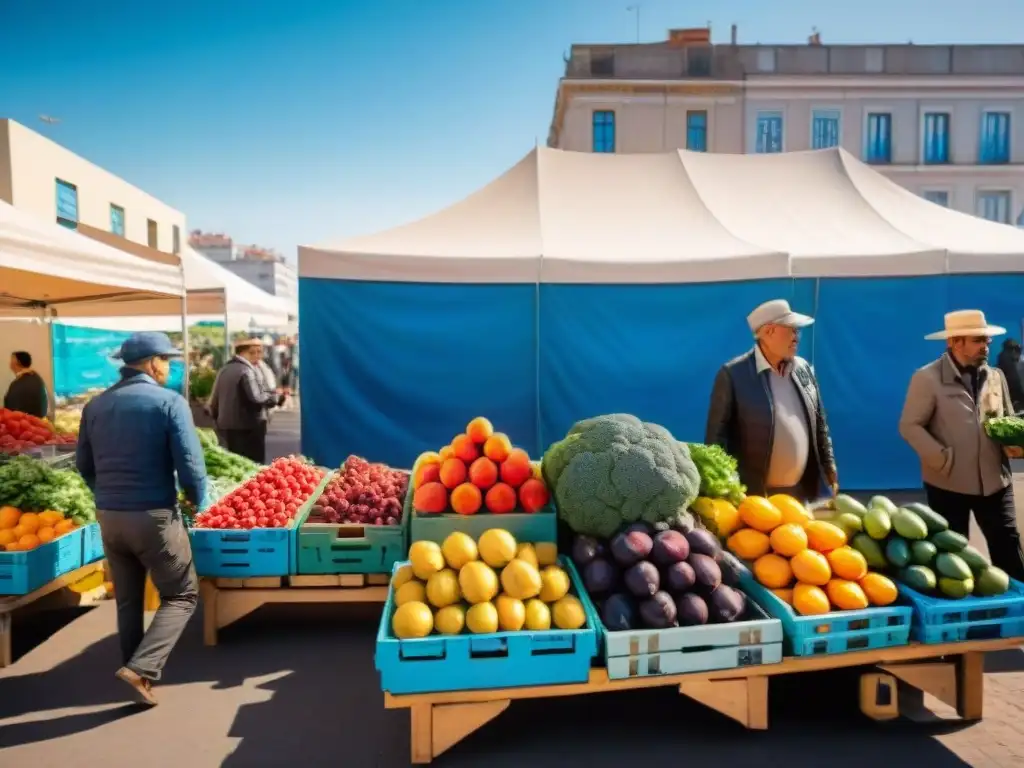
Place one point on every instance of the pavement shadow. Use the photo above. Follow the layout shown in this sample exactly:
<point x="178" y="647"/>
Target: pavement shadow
<point x="56" y="727"/>
<point x="1011" y="660"/>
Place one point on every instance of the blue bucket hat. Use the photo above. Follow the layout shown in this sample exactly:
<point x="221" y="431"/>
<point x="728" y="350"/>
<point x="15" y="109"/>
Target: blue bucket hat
<point x="142" y="346"/>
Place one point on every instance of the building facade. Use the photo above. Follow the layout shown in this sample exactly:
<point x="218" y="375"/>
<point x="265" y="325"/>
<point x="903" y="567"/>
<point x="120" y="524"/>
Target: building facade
<point x="263" y="267"/>
<point x="946" y="122"/>
<point x="40" y="176"/>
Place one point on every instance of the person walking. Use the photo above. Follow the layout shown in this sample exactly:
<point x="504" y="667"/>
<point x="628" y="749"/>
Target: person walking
<point x="241" y="400"/>
<point x="943" y="420"/>
<point x="134" y="439"/>
<point x="1009" y="363"/>
<point x="766" y="411"/>
<point x="27" y="393"/>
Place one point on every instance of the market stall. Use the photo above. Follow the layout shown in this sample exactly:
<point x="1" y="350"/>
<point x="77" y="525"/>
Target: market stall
<point x="527" y="299"/>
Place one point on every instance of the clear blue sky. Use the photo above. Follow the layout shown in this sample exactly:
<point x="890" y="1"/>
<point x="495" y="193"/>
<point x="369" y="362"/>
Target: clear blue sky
<point x="285" y="122"/>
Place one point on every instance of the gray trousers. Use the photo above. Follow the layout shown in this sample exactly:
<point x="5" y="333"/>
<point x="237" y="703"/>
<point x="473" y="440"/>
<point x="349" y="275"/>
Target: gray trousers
<point x="155" y="542"/>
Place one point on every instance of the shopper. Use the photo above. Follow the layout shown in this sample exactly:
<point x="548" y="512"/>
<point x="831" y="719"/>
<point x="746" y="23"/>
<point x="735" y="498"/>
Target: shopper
<point x="1009" y="363"/>
<point x="766" y="411"/>
<point x="27" y="392"/>
<point x="134" y="439"/>
<point x="943" y="419"/>
<point x="241" y="400"/>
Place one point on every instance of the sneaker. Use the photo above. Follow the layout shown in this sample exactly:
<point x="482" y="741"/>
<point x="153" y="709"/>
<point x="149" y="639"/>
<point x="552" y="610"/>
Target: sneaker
<point x="143" y="688"/>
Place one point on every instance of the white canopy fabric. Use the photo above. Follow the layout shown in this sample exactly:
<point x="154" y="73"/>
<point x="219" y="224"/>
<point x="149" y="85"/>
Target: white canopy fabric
<point x="212" y="292"/>
<point x="570" y="217"/>
<point x="43" y="263"/>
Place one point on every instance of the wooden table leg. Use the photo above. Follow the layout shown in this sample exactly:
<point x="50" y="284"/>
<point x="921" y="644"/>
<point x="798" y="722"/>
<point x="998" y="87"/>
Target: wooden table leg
<point x="6" y="651"/>
<point x="970" y="686"/>
<point x="421" y="733"/>
<point x="208" y="591"/>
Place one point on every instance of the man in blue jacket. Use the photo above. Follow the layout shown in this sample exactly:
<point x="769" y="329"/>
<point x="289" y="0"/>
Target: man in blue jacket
<point x="133" y="440"/>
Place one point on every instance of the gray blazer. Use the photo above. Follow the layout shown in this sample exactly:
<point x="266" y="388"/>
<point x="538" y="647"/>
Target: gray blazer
<point x="945" y="427"/>
<point x="240" y="398"/>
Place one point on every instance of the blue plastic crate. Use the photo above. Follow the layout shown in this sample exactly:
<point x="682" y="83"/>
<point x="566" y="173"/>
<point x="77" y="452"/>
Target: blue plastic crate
<point x="249" y="553"/>
<point x="24" y="572"/>
<point x="830" y="633"/>
<point x="475" y="662"/>
<point x="92" y="543"/>
<point x="756" y="639"/>
<point x="941" y="620"/>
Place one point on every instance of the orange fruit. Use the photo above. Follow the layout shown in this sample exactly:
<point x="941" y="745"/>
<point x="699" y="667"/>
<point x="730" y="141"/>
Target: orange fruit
<point x="880" y="590"/>
<point x="773" y="571"/>
<point x="7" y="537"/>
<point x="479" y="429"/>
<point x="29" y="521"/>
<point x="49" y="518"/>
<point x="466" y="499"/>
<point x="789" y="539"/>
<point x="12" y="547"/>
<point x="847" y="563"/>
<point x="453" y="472"/>
<point x="811" y="567"/>
<point x="9" y="516"/>
<point x="446" y="453"/>
<point x="429" y="472"/>
<point x="823" y="536"/>
<point x="64" y="526"/>
<point x="483" y="473"/>
<point x="464" y="448"/>
<point x="809" y="600"/>
<point x="533" y="495"/>
<point x="846" y="595"/>
<point x="430" y="498"/>
<point x="500" y="499"/>
<point x="516" y="469"/>
<point x="748" y="544"/>
<point x="792" y="510"/>
<point x="28" y="541"/>
<point x="45" y="534"/>
<point x="760" y="514"/>
<point x="20" y="530"/>
<point x="497" y="447"/>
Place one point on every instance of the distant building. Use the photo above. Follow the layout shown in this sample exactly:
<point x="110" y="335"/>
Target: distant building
<point x="263" y="267"/>
<point x="41" y="176"/>
<point x="944" y="121"/>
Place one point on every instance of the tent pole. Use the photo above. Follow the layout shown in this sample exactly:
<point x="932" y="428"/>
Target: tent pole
<point x="184" y="343"/>
<point x="51" y="401"/>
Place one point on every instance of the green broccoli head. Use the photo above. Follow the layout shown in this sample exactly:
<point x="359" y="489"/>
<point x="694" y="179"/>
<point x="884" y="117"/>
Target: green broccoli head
<point x="615" y="469"/>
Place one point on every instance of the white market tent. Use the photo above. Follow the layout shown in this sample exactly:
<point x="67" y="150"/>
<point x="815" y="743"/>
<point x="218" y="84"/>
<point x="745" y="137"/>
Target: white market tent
<point x="577" y="284"/>
<point x="568" y="217"/>
<point x="213" y="293"/>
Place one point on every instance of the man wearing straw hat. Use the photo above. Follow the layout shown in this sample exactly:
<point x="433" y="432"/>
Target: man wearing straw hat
<point x="943" y="419"/>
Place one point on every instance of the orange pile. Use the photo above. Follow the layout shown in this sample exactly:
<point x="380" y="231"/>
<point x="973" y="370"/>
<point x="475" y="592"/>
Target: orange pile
<point x="805" y="562"/>
<point x="479" y="471"/>
<point x="22" y="531"/>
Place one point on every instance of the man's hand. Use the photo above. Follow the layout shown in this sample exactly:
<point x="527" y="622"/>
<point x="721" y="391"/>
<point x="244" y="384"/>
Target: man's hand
<point x="833" y="483"/>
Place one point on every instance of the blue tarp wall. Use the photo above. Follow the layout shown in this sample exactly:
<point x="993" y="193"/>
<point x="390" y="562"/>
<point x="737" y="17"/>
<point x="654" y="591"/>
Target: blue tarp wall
<point x="83" y="360"/>
<point x="394" y="369"/>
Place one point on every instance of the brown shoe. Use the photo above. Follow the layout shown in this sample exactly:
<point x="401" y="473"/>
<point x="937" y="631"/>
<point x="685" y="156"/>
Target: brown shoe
<point x="143" y="688"/>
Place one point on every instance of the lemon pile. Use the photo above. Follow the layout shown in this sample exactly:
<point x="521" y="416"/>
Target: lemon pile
<point x="484" y="586"/>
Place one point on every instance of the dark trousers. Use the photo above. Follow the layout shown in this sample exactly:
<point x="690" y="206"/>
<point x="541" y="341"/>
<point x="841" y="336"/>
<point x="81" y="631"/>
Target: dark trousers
<point x="155" y="542"/>
<point x="996" y="516"/>
<point x="251" y="443"/>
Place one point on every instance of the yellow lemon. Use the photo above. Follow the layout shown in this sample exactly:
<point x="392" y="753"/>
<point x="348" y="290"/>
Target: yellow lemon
<point x="412" y="620"/>
<point x="568" y="613"/>
<point x="402" y="576"/>
<point x="425" y="558"/>
<point x="478" y="582"/>
<point x="482" y="618"/>
<point x="511" y="613"/>
<point x="443" y="588"/>
<point x="497" y="547"/>
<point x="528" y="553"/>
<point x="547" y="552"/>
<point x="538" y="616"/>
<point x="520" y="580"/>
<point x="411" y="592"/>
<point x="459" y="549"/>
<point x="450" y="620"/>
<point x="554" y="584"/>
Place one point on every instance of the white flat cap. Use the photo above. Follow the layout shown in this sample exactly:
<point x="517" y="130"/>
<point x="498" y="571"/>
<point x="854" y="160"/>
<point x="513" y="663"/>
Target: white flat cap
<point x="777" y="312"/>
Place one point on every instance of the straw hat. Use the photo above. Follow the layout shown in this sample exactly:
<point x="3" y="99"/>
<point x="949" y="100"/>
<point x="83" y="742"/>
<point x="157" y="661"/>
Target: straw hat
<point x="966" y="322"/>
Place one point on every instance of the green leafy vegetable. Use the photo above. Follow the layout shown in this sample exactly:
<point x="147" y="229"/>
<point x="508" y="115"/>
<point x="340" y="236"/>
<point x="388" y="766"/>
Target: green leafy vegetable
<point x="222" y="464"/>
<point x="1008" y="430"/>
<point x="30" y="484"/>
<point x="719" y="478"/>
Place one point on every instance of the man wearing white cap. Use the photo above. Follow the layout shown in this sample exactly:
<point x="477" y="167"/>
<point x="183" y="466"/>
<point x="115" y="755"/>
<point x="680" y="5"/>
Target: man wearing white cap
<point x="943" y="419"/>
<point x="766" y="410"/>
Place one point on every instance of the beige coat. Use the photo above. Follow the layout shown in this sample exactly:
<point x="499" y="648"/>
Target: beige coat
<point x="945" y="427"/>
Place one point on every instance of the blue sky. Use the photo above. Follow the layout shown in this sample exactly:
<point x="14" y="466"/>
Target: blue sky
<point x="288" y="122"/>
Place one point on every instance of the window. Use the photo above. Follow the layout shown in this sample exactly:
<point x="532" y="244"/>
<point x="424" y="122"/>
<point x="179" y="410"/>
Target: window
<point x="175" y="239"/>
<point x="878" y="147"/>
<point x="698" y="61"/>
<point x="697" y="131"/>
<point x="936" y="138"/>
<point x="151" y="234"/>
<point x="994" y="147"/>
<point x="769" y="132"/>
<point x="67" y="204"/>
<point x="825" y="128"/>
<point x="117" y="220"/>
<point x="994" y="205"/>
<point x="604" y="131"/>
<point x="937" y="196"/>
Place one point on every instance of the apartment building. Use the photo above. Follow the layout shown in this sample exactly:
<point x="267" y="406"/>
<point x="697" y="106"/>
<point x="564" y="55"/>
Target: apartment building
<point x="944" y="121"/>
<point x="263" y="267"/>
<point x="41" y="176"/>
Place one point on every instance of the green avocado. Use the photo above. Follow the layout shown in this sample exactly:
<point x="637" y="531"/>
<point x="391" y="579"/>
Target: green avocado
<point x="897" y="552"/>
<point x="918" y="577"/>
<point x="909" y="525"/>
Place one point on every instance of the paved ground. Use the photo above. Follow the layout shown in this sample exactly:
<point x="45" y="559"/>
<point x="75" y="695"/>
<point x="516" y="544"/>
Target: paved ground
<point x="297" y="684"/>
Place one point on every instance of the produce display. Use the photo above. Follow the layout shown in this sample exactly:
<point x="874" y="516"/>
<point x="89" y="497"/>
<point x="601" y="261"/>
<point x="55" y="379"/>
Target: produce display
<point x="39" y="503"/>
<point x="810" y="564"/>
<point x="21" y="431"/>
<point x="67" y="421"/>
<point x="23" y="531"/>
<point x="613" y="470"/>
<point x="222" y="463"/>
<point x="1008" y="430"/>
<point x="478" y="472"/>
<point x="489" y="585"/>
<point x="269" y="499"/>
<point x="915" y="544"/>
<point x="719" y="473"/>
<point x="362" y="493"/>
<point x="654" y="579"/>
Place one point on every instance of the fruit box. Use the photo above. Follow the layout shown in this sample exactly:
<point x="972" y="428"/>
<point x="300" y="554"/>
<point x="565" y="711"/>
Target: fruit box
<point x="756" y="639"/>
<point x="248" y="553"/>
<point x="24" y="572"/>
<point x="473" y="662"/>
<point x="943" y="620"/>
<point x="325" y="548"/>
<point x="92" y="543"/>
<point x="830" y="633"/>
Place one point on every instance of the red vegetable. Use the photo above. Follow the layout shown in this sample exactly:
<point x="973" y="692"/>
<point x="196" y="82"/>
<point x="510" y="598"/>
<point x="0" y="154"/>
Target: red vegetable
<point x="21" y="431"/>
<point x="362" y="493"/>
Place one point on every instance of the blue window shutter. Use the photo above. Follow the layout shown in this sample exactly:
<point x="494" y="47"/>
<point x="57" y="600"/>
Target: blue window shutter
<point x="697" y="131"/>
<point x="769" y="133"/>
<point x="939" y="197"/>
<point x="878" y="147"/>
<point x="995" y="138"/>
<point x="936" y="138"/>
<point x="825" y="129"/>
<point x="603" y="131"/>
<point x="994" y="206"/>
<point x="67" y="203"/>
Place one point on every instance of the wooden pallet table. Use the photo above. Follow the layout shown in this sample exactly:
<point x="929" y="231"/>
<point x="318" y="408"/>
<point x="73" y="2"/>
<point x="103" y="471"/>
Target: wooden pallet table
<point x="61" y="592"/>
<point x="225" y="601"/>
<point x="953" y="673"/>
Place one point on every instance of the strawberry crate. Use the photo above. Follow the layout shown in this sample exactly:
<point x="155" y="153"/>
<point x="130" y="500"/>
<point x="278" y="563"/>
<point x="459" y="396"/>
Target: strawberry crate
<point x="474" y="662"/>
<point x="24" y="572"/>
<point x="255" y="552"/>
<point x="942" y="620"/>
<point x="92" y="543"/>
<point x="829" y="633"/>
